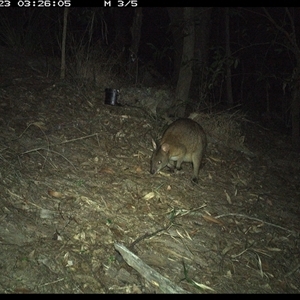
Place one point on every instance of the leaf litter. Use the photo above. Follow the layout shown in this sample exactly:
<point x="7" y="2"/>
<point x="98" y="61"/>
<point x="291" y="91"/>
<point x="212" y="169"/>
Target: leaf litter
<point x="75" y="187"/>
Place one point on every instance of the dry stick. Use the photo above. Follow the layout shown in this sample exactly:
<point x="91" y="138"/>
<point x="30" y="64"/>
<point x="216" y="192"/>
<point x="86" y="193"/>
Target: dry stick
<point x="276" y="226"/>
<point x="41" y="148"/>
<point x="256" y="219"/>
<point x="61" y="143"/>
<point x="17" y="196"/>
<point x="73" y="140"/>
<point x="145" y="236"/>
<point x="45" y="159"/>
<point x="292" y="271"/>
<point x="33" y="123"/>
<point x="52" y="282"/>
<point x="164" y="284"/>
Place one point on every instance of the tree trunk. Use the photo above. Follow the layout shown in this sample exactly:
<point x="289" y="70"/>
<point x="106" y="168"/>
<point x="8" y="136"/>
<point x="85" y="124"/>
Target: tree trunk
<point x="198" y="91"/>
<point x="228" y="56"/>
<point x="135" y="42"/>
<point x="295" y="109"/>
<point x="63" y="45"/>
<point x="292" y="44"/>
<point x="122" y="40"/>
<point x="186" y="71"/>
<point x="176" y="21"/>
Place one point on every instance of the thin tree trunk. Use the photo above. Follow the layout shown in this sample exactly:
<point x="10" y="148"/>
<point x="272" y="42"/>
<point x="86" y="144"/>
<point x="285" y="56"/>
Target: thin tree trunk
<point x="63" y="45"/>
<point x="186" y="71"/>
<point x="292" y="44"/>
<point x="198" y="92"/>
<point x="295" y="109"/>
<point x="228" y="55"/>
<point x="135" y="44"/>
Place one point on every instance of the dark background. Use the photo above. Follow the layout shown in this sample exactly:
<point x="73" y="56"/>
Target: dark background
<point x="262" y="72"/>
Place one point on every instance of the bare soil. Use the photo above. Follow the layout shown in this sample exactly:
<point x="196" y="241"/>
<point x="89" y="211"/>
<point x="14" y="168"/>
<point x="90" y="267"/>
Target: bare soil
<point x="75" y="180"/>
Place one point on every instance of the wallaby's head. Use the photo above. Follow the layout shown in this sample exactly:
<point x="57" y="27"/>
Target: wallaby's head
<point x="160" y="157"/>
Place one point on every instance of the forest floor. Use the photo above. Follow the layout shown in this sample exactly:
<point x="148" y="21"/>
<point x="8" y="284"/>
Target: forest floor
<point x="75" y="189"/>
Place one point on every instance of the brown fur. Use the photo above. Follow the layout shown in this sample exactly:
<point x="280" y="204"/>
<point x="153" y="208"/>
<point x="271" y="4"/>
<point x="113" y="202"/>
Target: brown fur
<point x="183" y="141"/>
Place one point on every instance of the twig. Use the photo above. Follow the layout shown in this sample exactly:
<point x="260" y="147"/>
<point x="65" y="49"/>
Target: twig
<point x="164" y="284"/>
<point x="26" y="130"/>
<point x="146" y="236"/>
<point x="52" y="282"/>
<point x="41" y="148"/>
<point x="292" y="271"/>
<point x="77" y="139"/>
<point x="28" y="202"/>
<point x="61" y="143"/>
<point x="256" y="219"/>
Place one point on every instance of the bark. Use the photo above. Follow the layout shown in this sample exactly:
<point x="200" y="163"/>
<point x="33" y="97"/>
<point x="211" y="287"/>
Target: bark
<point x="176" y="21"/>
<point x="198" y="92"/>
<point x="292" y="44"/>
<point x="186" y="66"/>
<point x="135" y="44"/>
<point x="63" y="46"/>
<point x="295" y="110"/>
<point x="122" y="40"/>
<point x="228" y="56"/>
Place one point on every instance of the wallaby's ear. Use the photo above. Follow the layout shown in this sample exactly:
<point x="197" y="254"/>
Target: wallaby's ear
<point x="165" y="147"/>
<point x="154" y="145"/>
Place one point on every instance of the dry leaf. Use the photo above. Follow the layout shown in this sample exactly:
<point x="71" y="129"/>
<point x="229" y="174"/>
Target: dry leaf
<point x="149" y="196"/>
<point x="269" y="202"/>
<point x="227" y="197"/>
<point x="212" y="219"/>
<point x="106" y="171"/>
<point x="138" y="169"/>
<point x="215" y="159"/>
<point x="274" y="249"/>
<point x="55" y="194"/>
<point x="40" y="125"/>
<point x="203" y="286"/>
<point x="22" y="291"/>
<point x="69" y="263"/>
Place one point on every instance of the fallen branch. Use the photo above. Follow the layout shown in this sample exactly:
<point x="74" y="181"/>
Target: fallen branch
<point x="164" y="284"/>
<point x="45" y="149"/>
<point x="60" y="143"/>
<point x="255" y="219"/>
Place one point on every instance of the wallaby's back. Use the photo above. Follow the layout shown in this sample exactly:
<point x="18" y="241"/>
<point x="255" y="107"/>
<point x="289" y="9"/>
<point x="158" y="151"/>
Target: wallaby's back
<point x="183" y="141"/>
